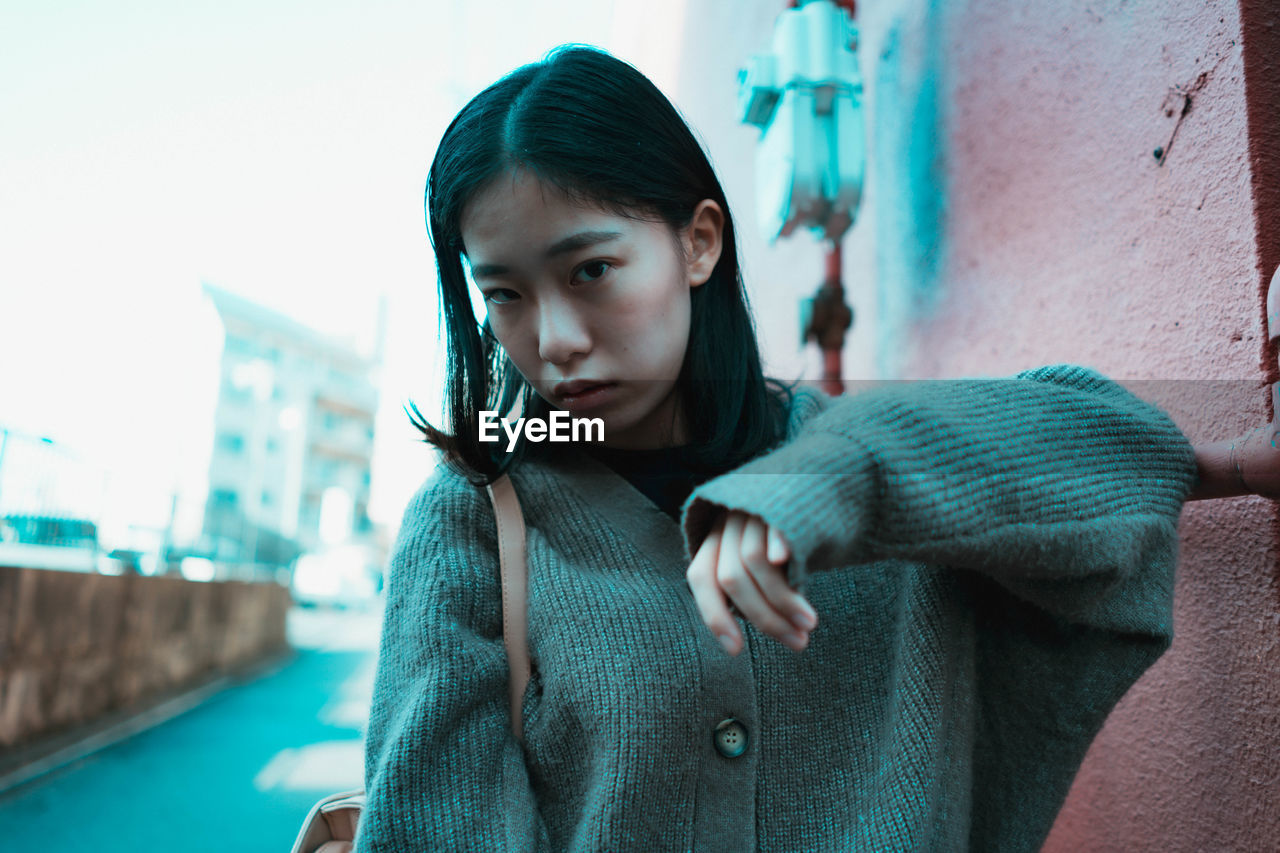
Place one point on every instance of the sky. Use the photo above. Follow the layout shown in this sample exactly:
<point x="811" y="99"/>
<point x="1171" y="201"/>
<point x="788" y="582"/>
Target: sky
<point x="278" y="150"/>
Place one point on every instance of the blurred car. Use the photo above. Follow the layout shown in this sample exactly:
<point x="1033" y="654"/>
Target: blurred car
<point x="49" y="542"/>
<point x="337" y="577"/>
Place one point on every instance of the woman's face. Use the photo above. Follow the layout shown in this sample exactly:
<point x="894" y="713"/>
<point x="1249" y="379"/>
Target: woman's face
<point x="592" y="308"/>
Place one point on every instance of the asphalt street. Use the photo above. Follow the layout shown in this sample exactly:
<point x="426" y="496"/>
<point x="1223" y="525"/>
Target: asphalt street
<point x="238" y="771"/>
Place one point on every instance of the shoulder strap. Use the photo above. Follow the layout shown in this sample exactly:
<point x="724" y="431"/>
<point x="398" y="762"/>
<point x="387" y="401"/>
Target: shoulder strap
<point x="515" y="591"/>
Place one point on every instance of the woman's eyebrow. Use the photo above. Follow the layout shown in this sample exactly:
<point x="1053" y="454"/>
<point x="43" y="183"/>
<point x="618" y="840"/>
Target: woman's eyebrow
<point x="572" y="243"/>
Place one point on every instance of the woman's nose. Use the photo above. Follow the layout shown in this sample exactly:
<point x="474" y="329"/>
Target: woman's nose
<point x="562" y="333"/>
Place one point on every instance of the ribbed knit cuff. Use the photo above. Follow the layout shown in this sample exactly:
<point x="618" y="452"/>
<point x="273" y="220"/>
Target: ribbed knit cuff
<point x="818" y="491"/>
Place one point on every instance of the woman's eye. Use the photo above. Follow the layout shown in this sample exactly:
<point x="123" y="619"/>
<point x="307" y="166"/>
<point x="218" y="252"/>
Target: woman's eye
<point x="500" y="295"/>
<point x="594" y="270"/>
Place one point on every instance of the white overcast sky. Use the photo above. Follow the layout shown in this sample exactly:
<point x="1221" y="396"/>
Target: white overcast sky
<point x="278" y="150"/>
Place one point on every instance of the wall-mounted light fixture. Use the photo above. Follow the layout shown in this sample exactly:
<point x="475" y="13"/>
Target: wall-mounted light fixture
<point x="805" y="95"/>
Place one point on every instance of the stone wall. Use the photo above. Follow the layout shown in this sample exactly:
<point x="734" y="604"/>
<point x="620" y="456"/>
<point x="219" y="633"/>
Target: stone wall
<point x="75" y="646"/>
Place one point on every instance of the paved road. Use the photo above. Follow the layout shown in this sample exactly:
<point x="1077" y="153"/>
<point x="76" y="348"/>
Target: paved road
<point x="237" y="772"/>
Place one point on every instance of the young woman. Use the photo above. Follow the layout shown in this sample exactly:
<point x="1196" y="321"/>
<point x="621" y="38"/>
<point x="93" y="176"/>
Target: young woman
<point x="759" y="618"/>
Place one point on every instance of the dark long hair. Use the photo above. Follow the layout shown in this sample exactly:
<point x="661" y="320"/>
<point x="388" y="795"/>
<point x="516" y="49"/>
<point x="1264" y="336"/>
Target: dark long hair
<point x="598" y="129"/>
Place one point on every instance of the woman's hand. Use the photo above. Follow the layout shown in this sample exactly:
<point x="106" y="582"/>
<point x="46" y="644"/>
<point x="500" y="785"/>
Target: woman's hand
<point x="745" y="559"/>
<point x="1259" y="455"/>
<point x="1246" y="465"/>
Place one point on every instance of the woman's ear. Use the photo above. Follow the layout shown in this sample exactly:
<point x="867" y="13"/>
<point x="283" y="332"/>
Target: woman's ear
<point x="703" y="241"/>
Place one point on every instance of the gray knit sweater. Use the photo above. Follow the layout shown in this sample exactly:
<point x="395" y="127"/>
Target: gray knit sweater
<point x="992" y="563"/>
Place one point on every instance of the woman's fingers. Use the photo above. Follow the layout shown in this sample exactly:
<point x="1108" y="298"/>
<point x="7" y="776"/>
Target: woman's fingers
<point x="771" y="576"/>
<point x="779" y="550"/>
<point x="707" y="594"/>
<point x="1257" y="461"/>
<point x="744" y="560"/>
<point x="751" y="581"/>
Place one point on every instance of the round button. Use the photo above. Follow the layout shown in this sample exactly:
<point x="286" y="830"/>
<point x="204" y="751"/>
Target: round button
<point x="731" y="738"/>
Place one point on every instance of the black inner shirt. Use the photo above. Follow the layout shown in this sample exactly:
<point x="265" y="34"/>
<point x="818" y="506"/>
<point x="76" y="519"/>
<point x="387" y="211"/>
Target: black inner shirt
<point x="663" y="475"/>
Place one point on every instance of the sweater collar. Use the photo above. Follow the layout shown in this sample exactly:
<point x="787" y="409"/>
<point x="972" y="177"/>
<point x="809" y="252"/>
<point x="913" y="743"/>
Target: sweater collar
<point x="621" y="505"/>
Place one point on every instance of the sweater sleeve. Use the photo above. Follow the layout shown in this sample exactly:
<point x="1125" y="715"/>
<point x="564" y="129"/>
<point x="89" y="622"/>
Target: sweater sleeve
<point x="1058" y="484"/>
<point x="443" y="770"/>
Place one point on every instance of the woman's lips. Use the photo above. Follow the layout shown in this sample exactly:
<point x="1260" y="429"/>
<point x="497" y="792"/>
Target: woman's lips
<point x="588" y="397"/>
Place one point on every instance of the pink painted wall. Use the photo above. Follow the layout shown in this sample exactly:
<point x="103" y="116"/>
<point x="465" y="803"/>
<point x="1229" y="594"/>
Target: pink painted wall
<point x="1015" y="215"/>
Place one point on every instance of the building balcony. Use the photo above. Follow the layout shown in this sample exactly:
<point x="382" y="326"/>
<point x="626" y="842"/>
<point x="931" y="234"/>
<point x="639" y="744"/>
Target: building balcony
<point x="348" y="399"/>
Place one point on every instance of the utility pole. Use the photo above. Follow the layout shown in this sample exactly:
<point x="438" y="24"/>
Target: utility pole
<point x="4" y="443"/>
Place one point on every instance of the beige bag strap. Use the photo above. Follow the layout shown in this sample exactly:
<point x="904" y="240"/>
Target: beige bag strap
<point x="515" y="592"/>
<point x="331" y="825"/>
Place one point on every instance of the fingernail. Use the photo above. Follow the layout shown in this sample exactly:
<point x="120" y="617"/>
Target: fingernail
<point x="727" y="641"/>
<point x="807" y="617"/>
<point x="795" y="640"/>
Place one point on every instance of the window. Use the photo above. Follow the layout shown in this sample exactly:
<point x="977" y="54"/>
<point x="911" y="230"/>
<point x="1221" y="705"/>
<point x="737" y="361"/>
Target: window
<point x="232" y="392"/>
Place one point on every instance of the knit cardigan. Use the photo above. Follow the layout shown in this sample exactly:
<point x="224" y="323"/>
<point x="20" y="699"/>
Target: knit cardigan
<point x="992" y="563"/>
